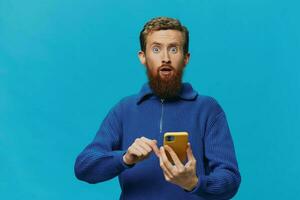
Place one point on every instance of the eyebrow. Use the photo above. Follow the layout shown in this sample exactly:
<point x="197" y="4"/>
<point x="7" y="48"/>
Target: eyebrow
<point x="171" y="44"/>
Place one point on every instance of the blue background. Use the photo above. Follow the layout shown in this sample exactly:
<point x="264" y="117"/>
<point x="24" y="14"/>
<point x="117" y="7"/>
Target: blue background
<point x="64" y="64"/>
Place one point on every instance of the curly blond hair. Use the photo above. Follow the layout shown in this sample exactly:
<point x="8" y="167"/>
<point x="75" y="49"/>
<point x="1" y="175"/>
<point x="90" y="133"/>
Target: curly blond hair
<point x="164" y="23"/>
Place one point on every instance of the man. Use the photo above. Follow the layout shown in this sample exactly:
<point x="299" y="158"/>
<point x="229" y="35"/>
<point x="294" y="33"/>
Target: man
<point x="129" y="143"/>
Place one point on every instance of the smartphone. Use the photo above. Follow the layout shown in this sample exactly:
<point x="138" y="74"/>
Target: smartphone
<point x="178" y="142"/>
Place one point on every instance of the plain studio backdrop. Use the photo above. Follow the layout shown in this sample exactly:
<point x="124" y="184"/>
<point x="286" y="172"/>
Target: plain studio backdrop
<point x="64" y="64"/>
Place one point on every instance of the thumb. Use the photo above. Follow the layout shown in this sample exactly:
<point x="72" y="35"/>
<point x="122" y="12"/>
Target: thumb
<point x="189" y="152"/>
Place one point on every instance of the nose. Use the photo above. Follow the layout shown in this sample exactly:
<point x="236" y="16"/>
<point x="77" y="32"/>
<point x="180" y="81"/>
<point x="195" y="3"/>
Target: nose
<point x="166" y="57"/>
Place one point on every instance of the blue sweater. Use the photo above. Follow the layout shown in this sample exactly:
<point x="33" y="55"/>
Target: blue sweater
<point x="146" y="115"/>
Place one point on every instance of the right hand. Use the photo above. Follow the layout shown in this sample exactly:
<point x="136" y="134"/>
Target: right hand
<point x="140" y="150"/>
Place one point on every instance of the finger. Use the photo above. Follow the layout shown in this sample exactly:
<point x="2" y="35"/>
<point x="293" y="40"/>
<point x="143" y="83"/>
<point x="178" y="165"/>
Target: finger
<point x="152" y="144"/>
<point x="190" y="153"/>
<point x="175" y="158"/>
<point x="144" y="145"/>
<point x="164" y="168"/>
<point x="140" y="149"/>
<point x="167" y="178"/>
<point x="188" y="164"/>
<point x="133" y="151"/>
<point x="165" y="160"/>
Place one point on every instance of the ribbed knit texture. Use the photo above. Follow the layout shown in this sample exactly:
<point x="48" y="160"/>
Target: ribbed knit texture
<point x="140" y="115"/>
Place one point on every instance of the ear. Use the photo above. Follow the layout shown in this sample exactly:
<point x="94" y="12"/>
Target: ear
<point x="186" y="58"/>
<point x="142" y="58"/>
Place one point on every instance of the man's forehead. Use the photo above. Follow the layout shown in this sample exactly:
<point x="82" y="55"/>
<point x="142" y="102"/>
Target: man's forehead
<point x="165" y="37"/>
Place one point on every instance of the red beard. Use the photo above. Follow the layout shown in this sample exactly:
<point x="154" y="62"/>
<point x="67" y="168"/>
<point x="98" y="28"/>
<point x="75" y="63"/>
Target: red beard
<point x="165" y="88"/>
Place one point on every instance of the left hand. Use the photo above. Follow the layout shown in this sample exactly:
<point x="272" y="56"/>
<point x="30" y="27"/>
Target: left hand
<point x="179" y="174"/>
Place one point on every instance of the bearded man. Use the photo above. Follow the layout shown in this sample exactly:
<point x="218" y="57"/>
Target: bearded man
<point x="129" y="143"/>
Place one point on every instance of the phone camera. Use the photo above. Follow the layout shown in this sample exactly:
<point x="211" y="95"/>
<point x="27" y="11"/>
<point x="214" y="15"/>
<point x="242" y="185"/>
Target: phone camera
<point x="170" y="138"/>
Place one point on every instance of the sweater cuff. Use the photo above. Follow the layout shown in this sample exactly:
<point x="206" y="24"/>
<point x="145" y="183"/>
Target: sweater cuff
<point x="118" y="155"/>
<point x="200" y="187"/>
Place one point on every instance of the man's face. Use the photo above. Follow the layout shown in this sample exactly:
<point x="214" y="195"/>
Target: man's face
<point x="165" y="60"/>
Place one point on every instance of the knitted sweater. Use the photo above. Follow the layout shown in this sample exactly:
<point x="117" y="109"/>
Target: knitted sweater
<point x="146" y="115"/>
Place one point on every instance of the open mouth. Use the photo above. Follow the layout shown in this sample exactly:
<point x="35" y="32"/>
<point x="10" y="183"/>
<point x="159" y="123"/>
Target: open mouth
<point x="165" y="70"/>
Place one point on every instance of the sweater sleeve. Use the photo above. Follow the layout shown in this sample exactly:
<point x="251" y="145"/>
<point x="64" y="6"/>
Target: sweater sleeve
<point x="102" y="160"/>
<point x="222" y="177"/>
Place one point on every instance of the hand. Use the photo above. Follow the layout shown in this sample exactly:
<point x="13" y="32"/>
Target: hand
<point x="140" y="150"/>
<point x="179" y="174"/>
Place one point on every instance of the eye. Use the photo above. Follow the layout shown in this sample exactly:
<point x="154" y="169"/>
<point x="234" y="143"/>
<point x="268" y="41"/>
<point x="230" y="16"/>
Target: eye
<point x="155" y="49"/>
<point x="173" y="49"/>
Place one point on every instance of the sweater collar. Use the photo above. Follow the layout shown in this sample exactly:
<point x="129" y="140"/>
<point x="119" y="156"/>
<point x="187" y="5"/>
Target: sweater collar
<point x="187" y="93"/>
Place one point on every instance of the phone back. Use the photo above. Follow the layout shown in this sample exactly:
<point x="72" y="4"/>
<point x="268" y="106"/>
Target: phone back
<point x="178" y="142"/>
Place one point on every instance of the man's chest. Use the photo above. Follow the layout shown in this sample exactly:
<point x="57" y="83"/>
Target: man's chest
<point x="152" y="122"/>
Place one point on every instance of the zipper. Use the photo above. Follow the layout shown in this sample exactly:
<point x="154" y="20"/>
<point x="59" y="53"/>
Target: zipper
<point x="161" y="116"/>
